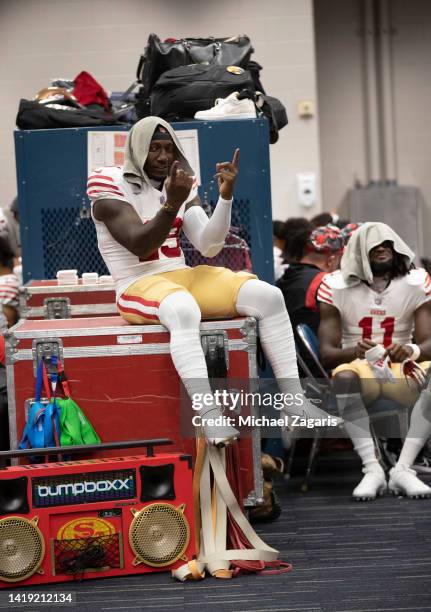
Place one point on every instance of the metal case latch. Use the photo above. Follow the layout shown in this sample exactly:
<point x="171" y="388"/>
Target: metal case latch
<point x="56" y="308"/>
<point x="45" y="348"/>
<point x="215" y="345"/>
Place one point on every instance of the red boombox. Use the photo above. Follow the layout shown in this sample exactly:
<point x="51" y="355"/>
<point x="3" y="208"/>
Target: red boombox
<point x="96" y="518"/>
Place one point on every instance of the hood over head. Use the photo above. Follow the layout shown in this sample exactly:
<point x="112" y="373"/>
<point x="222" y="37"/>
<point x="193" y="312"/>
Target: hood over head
<point x="137" y="147"/>
<point x="355" y="263"/>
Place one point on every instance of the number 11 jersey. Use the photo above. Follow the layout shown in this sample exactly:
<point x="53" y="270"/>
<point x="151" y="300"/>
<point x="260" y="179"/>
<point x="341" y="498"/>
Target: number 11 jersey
<point x="384" y="317"/>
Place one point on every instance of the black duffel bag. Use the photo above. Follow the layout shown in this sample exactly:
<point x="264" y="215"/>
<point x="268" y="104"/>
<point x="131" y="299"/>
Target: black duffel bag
<point x="162" y="56"/>
<point x="181" y="92"/>
<point x="35" y="116"/>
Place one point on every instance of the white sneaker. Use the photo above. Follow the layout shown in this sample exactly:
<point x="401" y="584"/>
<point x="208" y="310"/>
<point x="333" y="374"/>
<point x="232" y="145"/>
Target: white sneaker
<point x="372" y="484"/>
<point x="403" y="481"/>
<point x="229" y="108"/>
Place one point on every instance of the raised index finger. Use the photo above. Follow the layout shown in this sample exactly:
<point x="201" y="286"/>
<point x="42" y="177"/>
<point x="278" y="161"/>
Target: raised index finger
<point x="173" y="170"/>
<point x="235" y="158"/>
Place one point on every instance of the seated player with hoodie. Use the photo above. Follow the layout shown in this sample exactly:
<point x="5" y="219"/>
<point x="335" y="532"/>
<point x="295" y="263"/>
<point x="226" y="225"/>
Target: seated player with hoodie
<point x="139" y="211"/>
<point x="369" y="311"/>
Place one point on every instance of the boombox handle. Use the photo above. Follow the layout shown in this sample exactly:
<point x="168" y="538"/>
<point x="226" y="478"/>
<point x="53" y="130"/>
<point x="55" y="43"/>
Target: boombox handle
<point x="84" y="448"/>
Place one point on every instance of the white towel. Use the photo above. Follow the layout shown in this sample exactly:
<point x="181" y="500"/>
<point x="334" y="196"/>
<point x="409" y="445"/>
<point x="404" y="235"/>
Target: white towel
<point x="355" y="263"/>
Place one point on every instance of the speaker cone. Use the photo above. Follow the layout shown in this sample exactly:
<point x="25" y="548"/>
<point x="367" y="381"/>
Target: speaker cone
<point x="22" y="548"/>
<point x="157" y="482"/>
<point x="159" y="534"/>
<point x="13" y="496"/>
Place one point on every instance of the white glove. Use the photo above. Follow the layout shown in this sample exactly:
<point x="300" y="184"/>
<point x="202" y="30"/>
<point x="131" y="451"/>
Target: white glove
<point x="379" y="364"/>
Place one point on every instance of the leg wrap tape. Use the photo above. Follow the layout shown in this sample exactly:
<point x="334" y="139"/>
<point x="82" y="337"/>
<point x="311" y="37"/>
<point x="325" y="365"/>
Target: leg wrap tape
<point x="214" y="557"/>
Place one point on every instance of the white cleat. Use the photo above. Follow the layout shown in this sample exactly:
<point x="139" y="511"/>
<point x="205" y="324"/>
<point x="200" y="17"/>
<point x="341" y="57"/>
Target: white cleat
<point x="217" y="428"/>
<point x="372" y="484"/>
<point x="221" y="435"/>
<point x="403" y="481"/>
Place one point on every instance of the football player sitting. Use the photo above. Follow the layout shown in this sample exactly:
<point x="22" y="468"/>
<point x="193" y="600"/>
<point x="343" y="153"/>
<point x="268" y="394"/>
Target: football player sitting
<point x="370" y="310"/>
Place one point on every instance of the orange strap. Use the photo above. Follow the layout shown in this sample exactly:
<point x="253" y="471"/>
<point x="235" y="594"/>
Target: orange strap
<point x="196" y="574"/>
<point x="200" y="456"/>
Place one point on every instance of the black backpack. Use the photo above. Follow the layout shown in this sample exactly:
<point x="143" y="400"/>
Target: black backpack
<point x="181" y="92"/>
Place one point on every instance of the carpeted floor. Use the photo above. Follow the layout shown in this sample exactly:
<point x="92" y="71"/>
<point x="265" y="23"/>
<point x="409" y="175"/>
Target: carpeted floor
<point x="347" y="557"/>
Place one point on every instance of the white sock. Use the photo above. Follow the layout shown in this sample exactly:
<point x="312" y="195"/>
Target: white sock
<point x="180" y="313"/>
<point x="266" y="303"/>
<point x="419" y="430"/>
<point x="357" y="424"/>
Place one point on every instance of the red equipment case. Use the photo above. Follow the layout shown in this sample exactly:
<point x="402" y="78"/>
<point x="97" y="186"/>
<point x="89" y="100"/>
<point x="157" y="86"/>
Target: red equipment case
<point x="93" y="519"/>
<point x="48" y="299"/>
<point x="123" y="378"/>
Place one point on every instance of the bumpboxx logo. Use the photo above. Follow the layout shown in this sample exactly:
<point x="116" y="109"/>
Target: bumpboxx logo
<point x="79" y="488"/>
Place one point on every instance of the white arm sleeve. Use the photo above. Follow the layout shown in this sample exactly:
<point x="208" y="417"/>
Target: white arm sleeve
<point x="208" y="235"/>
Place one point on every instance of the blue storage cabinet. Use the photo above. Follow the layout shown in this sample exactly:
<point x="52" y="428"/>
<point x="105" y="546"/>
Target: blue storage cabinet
<point x="56" y="229"/>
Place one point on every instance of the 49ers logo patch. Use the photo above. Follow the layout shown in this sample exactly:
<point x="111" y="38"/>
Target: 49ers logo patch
<point x="85" y="527"/>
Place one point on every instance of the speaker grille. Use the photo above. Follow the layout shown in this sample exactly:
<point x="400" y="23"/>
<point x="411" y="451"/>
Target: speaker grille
<point x="159" y="534"/>
<point x="21" y="548"/>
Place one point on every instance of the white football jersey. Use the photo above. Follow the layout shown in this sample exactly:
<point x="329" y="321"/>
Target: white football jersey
<point x="381" y="317"/>
<point x="125" y="267"/>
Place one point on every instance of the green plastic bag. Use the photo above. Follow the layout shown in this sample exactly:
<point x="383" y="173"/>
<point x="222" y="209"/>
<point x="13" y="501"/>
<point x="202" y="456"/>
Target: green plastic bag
<point x="75" y="428"/>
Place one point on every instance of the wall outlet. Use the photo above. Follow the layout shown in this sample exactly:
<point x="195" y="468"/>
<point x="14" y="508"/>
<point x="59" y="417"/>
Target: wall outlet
<point x="306" y="108"/>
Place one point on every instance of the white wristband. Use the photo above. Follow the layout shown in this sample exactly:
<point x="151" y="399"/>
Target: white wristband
<point x="416" y="352"/>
